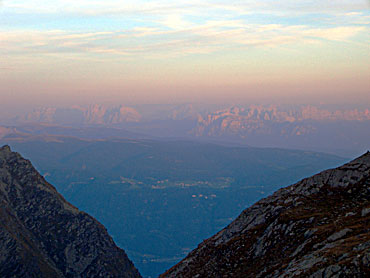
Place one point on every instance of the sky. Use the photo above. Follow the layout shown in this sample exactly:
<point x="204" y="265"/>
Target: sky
<point x="86" y="51"/>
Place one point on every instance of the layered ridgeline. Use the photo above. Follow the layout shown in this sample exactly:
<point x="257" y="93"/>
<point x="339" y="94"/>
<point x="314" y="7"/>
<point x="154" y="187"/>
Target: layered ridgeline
<point x="42" y="235"/>
<point x="321" y="128"/>
<point x="319" y="227"/>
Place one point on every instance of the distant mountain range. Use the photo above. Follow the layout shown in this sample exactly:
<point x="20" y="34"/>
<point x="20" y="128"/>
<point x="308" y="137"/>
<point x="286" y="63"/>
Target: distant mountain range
<point x="232" y="118"/>
<point x="42" y="235"/>
<point x="344" y="132"/>
<point x="339" y="131"/>
<point x="94" y="114"/>
<point x="319" y="227"/>
<point x="257" y="119"/>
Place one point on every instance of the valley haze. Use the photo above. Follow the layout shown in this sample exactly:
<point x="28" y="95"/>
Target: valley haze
<point x="160" y="198"/>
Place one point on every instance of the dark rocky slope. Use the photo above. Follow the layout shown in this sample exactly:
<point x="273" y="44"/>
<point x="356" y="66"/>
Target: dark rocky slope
<point x="42" y="235"/>
<point x="319" y="227"/>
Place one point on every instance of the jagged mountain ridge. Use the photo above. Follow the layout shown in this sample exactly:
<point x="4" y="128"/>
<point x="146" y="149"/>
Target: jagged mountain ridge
<point x="232" y="118"/>
<point x="340" y="131"/>
<point x="93" y="114"/>
<point x="319" y="227"/>
<point x="42" y="235"/>
<point x="257" y="119"/>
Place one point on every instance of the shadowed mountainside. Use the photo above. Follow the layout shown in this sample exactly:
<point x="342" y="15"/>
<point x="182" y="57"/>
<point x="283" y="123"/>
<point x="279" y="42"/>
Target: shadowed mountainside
<point x="318" y="227"/>
<point x="42" y="235"/>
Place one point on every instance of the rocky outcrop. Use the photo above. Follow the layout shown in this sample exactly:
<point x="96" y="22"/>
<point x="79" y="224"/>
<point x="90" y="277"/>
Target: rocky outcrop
<point x="42" y="235"/>
<point x="319" y="227"/>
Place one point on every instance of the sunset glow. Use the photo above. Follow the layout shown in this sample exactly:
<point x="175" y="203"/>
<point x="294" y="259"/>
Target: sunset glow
<point x="184" y="50"/>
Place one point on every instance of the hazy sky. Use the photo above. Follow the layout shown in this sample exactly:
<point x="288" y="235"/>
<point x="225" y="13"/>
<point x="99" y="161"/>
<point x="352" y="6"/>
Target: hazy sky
<point x="153" y="51"/>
